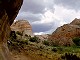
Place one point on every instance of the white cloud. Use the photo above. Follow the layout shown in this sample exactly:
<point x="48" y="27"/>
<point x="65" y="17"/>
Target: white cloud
<point x="47" y="18"/>
<point x="39" y="33"/>
<point x="70" y="4"/>
<point x="65" y="15"/>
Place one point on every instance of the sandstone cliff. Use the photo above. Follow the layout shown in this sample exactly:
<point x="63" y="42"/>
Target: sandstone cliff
<point x="22" y="26"/>
<point x="8" y="11"/>
<point x="64" y="34"/>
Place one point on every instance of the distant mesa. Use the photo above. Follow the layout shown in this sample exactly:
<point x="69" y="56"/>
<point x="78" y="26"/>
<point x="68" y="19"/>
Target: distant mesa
<point x="63" y="35"/>
<point x="22" y="26"/>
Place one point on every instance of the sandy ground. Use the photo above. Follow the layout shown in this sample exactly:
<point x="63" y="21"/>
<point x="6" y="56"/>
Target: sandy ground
<point x="20" y="56"/>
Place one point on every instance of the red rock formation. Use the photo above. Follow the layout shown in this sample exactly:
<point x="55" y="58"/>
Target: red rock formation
<point x="22" y="26"/>
<point x="64" y="34"/>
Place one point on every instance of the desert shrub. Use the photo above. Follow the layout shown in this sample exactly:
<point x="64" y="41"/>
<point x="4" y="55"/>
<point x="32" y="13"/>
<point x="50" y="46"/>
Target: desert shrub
<point x="57" y="49"/>
<point x="26" y="35"/>
<point x="34" y="39"/>
<point x="76" y="41"/>
<point x="60" y="48"/>
<point x="41" y="47"/>
<point x="70" y="56"/>
<point x="13" y="34"/>
<point x="14" y="43"/>
<point x="17" y="44"/>
<point x="19" y="33"/>
<point x="45" y="42"/>
<point x="54" y="49"/>
<point x="24" y="42"/>
<point x="51" y="43"/>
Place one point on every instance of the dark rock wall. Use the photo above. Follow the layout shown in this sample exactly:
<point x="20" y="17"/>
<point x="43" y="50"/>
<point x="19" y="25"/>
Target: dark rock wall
<point x="8" y="12"/>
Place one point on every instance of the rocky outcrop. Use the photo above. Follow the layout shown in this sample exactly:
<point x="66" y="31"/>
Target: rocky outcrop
<point x="22" y="26"/>
<point x="8" y="11"/>
<point x="64" y="34"/>
<point x="42" y="37"/>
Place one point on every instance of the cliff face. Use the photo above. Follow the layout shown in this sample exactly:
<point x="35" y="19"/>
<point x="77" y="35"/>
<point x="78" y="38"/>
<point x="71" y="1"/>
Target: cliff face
<point x="22" y="26"/>
<point x="64" y="34"/>
<point x="8" y="11"/>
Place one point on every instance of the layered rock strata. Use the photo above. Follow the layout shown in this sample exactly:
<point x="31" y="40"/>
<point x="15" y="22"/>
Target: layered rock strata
<point x="63" y="35"/>
<point x="22" y="26"/>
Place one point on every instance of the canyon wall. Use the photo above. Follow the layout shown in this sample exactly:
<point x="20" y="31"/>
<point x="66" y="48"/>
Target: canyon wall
<point x="8" y="12"/>
<point x="63" y="35"/>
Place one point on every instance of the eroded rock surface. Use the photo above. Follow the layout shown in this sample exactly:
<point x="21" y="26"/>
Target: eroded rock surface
<point x="22" y="26"/>
<point x="42" y="37"/>
<point x="8" y="11"/>
<point x="64" y="34"/>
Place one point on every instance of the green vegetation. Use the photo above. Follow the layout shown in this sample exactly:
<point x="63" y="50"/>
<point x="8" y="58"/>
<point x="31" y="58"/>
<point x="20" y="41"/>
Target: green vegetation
<point x="42" y="50"/>
<point x="69" y="56"/>
<point x="34" y="39"/>
<point x="14" y="43"/>
<point x="17" y="45"/>
<point x="45" y="42"/>
<point x="19" y="33"/>
<point x="76" y="41"/>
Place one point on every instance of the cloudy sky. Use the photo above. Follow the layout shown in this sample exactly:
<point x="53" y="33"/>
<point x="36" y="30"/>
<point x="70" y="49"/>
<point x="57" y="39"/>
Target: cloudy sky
<point x="46" y="15"/>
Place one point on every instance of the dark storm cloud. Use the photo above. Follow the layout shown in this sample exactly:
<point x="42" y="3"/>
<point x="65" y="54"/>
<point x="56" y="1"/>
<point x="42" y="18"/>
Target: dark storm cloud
<point x="41" y="27"/>
<point x="29" y="16"/>
<point x="46" y="27"/>
<point x="72" y="4"/>
<point x="36" y="6"/>
<point x="33" y="10"/>
<point x="32" y="18"/>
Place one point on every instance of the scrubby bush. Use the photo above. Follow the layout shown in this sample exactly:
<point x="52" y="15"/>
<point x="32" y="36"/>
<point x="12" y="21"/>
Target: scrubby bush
<point x="19" y="33"/>
<point x="76" y="41"/>
<point x="24" y="42"/>
<point x="69" y="56"/>
<point x="45" y="42"/>
<point x="14" y="43"/>
<point x="13" y="35"/>
<point x="51" y="43"/>
<point x="34" y="39"/>
<point x="17" y="45"/>
<point x="54" y="49"/>
<point x="57" y="49"/>
<point x="60" y="49"/>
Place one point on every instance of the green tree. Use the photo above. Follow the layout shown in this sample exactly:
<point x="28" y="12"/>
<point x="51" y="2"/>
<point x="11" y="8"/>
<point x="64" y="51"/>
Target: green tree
<point x="34" y="39"/>
<point x="76" y="41"/>
<point x="45" y="42"/>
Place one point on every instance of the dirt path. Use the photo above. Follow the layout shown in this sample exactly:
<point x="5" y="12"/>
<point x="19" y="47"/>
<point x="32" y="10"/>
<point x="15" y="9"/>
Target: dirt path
<point x="20" y="56"/>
